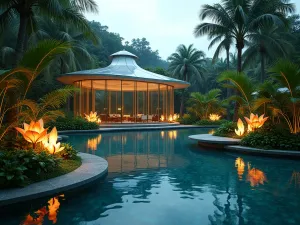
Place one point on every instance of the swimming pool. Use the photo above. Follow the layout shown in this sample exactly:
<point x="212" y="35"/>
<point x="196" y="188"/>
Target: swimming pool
<point x="161" y="177"/>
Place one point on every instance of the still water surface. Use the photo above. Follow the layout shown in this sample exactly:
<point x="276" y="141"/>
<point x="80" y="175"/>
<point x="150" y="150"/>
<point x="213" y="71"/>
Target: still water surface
<point x="162" y="177"/>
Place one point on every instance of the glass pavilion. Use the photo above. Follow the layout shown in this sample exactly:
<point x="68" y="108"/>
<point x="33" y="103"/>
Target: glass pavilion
<point x="123" y="91"/>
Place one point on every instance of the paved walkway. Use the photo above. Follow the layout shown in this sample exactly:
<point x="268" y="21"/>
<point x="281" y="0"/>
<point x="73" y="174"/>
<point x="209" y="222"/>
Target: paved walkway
<point x="92" y="168"/>
<point x="208" y="138"/>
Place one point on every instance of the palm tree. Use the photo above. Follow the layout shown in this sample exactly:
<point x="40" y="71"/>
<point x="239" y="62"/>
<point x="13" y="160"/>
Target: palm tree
<point x="283" y="98"/>
<point x="204" y="104"/>
<point x="187" y="64"/>
<point x="77" y="57"/>
<point x="26" y="11"/>
<point x="238" y="19"/>
<point x="243" y="86"/>
<point x="267" y="44"/>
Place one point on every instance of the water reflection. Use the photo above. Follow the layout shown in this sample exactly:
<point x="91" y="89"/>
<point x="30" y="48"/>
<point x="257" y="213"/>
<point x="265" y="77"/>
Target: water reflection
<point x="51" y="209"/>
<point x="175" y="182"/>
<point x="295" y="179"/>
<point x="255" y="176"/>
<point x="93" y="143"/>
<point x="240" y="166"/>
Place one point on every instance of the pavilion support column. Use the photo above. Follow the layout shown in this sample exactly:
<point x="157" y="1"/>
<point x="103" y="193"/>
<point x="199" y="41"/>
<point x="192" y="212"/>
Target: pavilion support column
<point x="93" y="97"/>
<point x="147" y="102"/>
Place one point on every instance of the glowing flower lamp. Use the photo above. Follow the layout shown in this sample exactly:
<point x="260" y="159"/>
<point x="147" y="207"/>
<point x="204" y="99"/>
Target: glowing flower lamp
<point x="33" y="132"/>
<point x="92" y="117"/>
<point x="241" y="129"/>
<point x="175" y="117"/>
<point x="255" y="121"/>
<point x="214" y="117"/>
<point x="170" y="118"/>
<point x="162" y="118"/>
<point x="51" y="143"/>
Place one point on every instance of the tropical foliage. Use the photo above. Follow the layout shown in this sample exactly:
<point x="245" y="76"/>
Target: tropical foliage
<point x="205" y="104"/>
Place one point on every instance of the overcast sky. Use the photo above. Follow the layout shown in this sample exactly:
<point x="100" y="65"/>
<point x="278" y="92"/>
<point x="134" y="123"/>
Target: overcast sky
<point x="164" y="23"/>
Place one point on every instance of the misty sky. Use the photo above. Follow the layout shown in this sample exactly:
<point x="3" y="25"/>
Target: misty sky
<point x="165" y="23"/>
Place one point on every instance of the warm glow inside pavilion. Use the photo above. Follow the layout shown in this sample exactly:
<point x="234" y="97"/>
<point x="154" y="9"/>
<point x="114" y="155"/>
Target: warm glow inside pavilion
<point x="123" y="91"/>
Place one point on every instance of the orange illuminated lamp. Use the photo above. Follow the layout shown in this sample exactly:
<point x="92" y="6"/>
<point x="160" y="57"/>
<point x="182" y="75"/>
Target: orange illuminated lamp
<point x="33" y="132"/>
<point x="92" y="117"/>
<point x="255" y="121"/>
<point x="170" y="118"/>
<point x="175" y="117"/>
<point x="241" y="128"/>
<point x="214" y="117"/>
<point x="162" y="118"/>
<point x="51" y="143"/>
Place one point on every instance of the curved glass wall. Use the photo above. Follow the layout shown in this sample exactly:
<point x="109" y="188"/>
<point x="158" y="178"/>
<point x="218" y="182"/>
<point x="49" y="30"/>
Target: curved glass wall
<point x="118" y="101"/>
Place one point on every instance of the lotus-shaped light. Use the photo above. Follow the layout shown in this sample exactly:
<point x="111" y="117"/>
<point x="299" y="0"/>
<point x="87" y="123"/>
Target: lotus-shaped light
<point x="170" y="118"/>
<point x="175" y="117"/>
<point x="214" y="117"/>
<point x="33" y="132"/>
<point x="241" y="129"/>
<point x="255" y="121"/>
<point x="51" y="143"/>
<point x="162" y="118"/>
<point x="92" y="117"/>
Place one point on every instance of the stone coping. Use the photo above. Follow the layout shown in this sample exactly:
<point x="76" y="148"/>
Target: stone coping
<point x="209" y="138"/>
<point x="257" y="151"/>
<point x="92" y="168"/>
<point x="102" y="130"/>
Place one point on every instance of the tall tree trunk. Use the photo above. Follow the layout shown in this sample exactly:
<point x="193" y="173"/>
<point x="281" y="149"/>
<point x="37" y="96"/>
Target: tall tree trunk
<point x="21" y="37"/>
<point x="262" y="66"/>
<point x="12" y="96"/>
<point x="228" y="89"/>
<point x="240" y="47"/>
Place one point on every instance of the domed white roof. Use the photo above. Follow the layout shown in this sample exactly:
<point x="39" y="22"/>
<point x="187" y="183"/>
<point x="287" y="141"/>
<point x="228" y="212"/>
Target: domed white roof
<point x="122" y="67"/>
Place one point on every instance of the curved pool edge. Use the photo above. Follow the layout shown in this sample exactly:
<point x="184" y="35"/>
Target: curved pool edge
<point x="91" y="169"/>
<point x="288" y="154"/>
<point x="104" y="130"/>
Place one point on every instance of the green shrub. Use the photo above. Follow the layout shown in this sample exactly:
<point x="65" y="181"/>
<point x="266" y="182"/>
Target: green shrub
<point x="69" y="152"/>
<point x="188" y="119"/>
<point x="69" y="123"/>
<point x="19" y="167"/>
<point x="210" y="122"/>
<point x="226" y="129"/>
<point x="276" y="138"/>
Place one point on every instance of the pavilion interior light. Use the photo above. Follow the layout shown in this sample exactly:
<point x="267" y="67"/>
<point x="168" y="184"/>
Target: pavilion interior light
<point x="33" y="132"/>
<point x="255" y="121"/>
<point x="214" y="117"/>
<point x="92" y="117"/>
<point x="240" y="166"/>
<point x="241" y="128"/>
<point x="51" y="143"/>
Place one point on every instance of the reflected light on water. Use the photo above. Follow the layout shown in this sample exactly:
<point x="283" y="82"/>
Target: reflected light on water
<point x="51" y="209"/>
<point x="295" y="179"/>
<point x="173" y="134"/>
<point x="211" y="132"/>
<point x="240" y="166"/>
<point x="93" y="143"/>
<point x="256" y="177"/>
